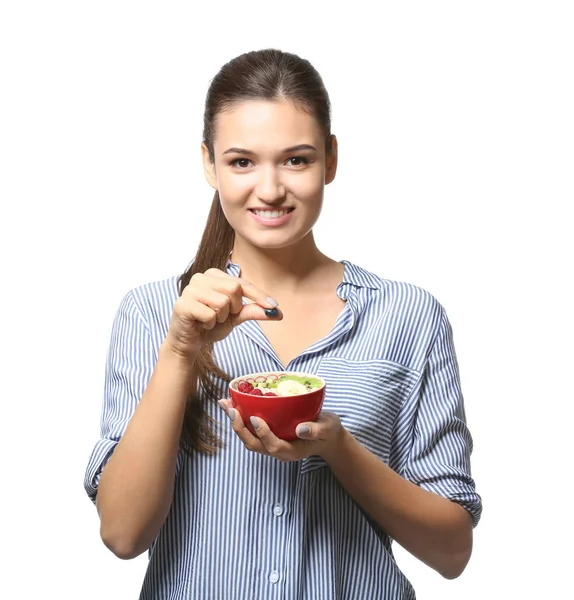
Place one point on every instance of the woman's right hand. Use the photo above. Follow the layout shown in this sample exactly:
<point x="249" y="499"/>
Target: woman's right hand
<point x="208" y="309"/>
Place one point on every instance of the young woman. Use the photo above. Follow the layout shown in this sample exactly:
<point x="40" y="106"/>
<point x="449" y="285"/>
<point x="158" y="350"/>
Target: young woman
<point x="226" y="514"/>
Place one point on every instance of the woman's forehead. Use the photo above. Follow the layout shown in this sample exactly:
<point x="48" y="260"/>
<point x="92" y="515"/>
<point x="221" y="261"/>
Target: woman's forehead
<point x="264" y="122"/>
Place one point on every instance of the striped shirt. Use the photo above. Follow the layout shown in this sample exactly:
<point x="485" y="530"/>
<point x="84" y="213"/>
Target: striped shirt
<point x="247" y="526"/>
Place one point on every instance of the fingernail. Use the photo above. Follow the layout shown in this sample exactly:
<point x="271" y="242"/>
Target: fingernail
<point x="254" y="422"/>
<point x="221" y="403"/>
<point x="231" y="414"/>
<point x="272" y="301"/>
<point x="303" y="430"/>
<point x="271" y="312"/>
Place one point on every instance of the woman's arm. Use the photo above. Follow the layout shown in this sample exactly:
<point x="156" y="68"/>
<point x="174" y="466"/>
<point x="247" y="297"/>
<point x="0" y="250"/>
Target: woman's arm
<point x="428" y="524"/>
<point x="434" y="529"/>
<point x="136" y="486"/>
<point x="145" y="402"/>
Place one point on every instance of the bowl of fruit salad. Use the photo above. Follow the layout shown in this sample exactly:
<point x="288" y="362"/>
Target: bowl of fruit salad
<point x="282" y="399"/>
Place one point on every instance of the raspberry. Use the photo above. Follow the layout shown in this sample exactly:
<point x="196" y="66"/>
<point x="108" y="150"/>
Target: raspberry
<point x="245" y="387"/>
<point x="270" y="394"/>
<point x="256" y="392"/>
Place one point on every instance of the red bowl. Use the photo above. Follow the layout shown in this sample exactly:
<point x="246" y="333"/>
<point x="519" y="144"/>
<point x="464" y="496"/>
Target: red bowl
<point x="281" y="413"/>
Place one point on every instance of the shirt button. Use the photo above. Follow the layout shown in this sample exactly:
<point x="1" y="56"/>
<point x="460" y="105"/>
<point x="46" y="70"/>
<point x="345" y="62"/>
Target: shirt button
<point x="274" y="577"/>
<point x="278" y="510"/>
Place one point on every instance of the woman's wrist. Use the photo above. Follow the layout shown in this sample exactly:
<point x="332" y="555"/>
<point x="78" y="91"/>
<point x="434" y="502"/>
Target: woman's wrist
<point x="337" y="447"/>
<point x="174" y="359"/>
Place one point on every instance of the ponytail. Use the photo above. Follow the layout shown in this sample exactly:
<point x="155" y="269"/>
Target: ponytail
<point x="198" y="432"/>
<point x="265" y="75"/>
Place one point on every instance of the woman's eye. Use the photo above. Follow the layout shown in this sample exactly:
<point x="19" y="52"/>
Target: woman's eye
<point x="241" y="163"/>
<point x="298" y="161"/>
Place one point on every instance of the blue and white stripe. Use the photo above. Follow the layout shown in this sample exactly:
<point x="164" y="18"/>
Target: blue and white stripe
<point x="246" y="526"/>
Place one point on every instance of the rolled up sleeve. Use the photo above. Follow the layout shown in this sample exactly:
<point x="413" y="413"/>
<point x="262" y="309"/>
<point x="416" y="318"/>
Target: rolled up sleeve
<point x="439" y="459"/>
<point x="129" y="367"/>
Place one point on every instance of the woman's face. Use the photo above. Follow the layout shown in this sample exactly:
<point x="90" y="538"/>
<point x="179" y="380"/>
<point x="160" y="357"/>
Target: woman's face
<point x="270" y="168"/>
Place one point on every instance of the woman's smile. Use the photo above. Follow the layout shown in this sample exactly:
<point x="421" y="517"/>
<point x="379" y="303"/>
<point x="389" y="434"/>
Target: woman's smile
<point x="271" y="217"/>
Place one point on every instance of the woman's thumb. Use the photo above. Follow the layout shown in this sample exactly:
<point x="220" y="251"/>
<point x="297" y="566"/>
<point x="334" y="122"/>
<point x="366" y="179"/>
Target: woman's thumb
<point x="254" y="312"/>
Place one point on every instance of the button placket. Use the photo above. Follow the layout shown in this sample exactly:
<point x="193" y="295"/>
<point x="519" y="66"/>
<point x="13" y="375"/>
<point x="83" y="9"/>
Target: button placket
<point x="276" y="567"/>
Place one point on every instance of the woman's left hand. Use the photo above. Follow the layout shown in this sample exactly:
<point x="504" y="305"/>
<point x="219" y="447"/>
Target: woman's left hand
<point x="316" y="438"/>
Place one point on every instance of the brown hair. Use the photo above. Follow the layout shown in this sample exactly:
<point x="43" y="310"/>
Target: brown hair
<point x="265" y="75"/>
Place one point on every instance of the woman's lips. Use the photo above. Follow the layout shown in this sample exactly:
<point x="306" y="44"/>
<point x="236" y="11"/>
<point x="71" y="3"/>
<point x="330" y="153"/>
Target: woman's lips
<point x="271" y="221"/>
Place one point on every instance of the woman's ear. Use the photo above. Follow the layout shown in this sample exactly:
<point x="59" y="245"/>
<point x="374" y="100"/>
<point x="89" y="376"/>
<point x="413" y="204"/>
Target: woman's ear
<point x="332" y="158"/>
<point x="208" y="167"/>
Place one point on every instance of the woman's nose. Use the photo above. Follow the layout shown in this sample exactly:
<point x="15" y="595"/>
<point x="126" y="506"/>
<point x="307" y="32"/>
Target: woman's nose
<point x="269" y="186"/>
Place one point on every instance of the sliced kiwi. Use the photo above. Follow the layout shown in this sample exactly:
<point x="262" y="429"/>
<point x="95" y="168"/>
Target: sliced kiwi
<point x="289" y="378"/>
<point x="310" y="382"/>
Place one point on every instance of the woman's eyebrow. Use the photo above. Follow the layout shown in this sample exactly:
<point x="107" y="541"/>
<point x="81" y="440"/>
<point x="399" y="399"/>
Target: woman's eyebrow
<point x="286" y="151"/>
<point x="237" y="151"/>
<point x="299" y="147"/>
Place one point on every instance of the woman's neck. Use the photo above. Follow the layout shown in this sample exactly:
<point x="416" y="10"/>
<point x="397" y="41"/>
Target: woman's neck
<point x="283" y="269"/>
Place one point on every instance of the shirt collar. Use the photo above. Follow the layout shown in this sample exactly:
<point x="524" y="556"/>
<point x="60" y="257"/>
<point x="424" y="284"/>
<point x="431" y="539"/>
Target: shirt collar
<point x="352" y="275"/>
<point x="232" y="269"/>
<point x="358" y="277"/>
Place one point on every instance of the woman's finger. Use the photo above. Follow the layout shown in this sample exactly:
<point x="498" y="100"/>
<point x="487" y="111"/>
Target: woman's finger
<point x="228" y="286"/>
<point x="321" y="429"/>
<point x="273" y="445"/>
<point x="218" y="302"/>
<point x="246" y="289"/>
<point x="187" y="310"/>
<point x="254" y="312"/>
<point x="225" y="403"/>
<point x="249" y="440"/>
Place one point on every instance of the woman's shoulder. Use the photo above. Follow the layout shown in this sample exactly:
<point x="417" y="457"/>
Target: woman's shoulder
<point x="154" y="299"/>
<point x="157" y="288"/>
<point x="389" y="291"/>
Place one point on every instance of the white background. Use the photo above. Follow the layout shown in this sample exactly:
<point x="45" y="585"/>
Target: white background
<point x="455" y="124"/>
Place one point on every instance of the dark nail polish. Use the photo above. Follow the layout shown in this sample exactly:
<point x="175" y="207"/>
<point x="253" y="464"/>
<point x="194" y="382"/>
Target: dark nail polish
<point x="271" y="312"/>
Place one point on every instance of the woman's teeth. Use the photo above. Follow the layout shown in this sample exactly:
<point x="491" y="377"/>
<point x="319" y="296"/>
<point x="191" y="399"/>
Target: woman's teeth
<point x="270" y="214"/>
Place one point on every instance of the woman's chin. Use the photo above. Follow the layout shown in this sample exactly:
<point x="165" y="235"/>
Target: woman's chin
<point x="270" y="240"/>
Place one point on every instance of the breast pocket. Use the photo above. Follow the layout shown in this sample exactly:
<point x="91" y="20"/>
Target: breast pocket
<point x="367" y="396"/>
